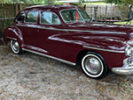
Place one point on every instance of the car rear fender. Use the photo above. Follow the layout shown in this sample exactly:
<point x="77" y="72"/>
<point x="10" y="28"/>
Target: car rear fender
<point x="13" y="33"/>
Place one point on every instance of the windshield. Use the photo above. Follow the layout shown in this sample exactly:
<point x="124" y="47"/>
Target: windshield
<point x="84" y="15"/>
<point x="74" y="15"/>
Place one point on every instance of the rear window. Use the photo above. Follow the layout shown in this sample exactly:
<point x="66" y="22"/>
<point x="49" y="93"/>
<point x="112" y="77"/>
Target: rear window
<point x="20" y="17"/>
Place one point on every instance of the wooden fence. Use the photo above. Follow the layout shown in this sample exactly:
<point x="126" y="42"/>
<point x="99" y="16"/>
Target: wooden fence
<point x="107" y="11"/>
<point x="7" y="14"/>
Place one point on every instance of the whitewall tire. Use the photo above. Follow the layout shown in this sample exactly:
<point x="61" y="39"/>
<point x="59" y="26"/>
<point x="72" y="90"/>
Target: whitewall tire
<point x="15" y="47"/>
<point x="93" y="65"/>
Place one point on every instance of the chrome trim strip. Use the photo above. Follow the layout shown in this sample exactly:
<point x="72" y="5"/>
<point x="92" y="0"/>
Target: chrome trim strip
<point x="64" y="61"/>
<point x="72" y="30"/>
<point x="114" y="51"/>
<point x="11" y="38"/>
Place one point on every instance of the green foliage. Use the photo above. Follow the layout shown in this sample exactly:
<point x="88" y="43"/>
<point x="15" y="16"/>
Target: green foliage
<point x="125" y="2"/>
<point x="125" y="23"/>
<point x="128" y="2"/>
<point x="114" y="1"/>
<point x="29" y="1"/>
<point x="5" y="1"/>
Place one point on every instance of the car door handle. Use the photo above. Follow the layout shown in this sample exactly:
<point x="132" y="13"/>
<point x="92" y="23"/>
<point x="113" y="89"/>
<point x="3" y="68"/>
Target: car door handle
<point x="38" y="30"/>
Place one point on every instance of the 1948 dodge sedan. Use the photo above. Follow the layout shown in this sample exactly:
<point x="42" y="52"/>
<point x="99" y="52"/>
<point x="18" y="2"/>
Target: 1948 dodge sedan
<point x="65" y="33"/>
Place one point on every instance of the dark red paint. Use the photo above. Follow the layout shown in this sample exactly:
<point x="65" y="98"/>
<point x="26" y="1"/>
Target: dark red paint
<point x="56" y="41"/>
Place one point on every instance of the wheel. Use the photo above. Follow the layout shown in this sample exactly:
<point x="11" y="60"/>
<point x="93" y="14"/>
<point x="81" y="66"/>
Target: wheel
<point x="94" y="66"/>
<point x="15" y="47"/>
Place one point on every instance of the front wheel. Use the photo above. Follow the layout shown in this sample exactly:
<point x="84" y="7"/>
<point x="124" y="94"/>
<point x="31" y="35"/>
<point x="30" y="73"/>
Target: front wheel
<point x="15" y="47"/>
<point x="93" y="65"/>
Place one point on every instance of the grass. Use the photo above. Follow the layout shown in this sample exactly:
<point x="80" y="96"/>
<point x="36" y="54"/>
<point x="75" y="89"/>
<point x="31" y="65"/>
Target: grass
<point x="96" y="3"/>
<point x="125" y="23"/>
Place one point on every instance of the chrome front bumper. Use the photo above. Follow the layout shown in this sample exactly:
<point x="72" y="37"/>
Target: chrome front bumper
<point x="126" y="69"/>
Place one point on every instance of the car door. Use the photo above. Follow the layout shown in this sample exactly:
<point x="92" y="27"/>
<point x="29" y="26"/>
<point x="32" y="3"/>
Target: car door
<point x="50" y="27"/>
<point x="53" y="36"/>
<point x="30" y="29"/>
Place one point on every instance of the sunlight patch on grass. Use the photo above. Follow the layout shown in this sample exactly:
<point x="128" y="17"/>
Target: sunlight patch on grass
<point x="96" y="3"/>
<point x="125" y="23"/>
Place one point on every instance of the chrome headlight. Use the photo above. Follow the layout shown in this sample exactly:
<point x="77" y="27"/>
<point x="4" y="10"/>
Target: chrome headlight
<point x="131" y="35"/>
<point x="129" y="51"/>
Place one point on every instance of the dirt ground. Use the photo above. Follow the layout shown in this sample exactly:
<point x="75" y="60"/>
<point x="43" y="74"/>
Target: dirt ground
<point x="32" y="77"/>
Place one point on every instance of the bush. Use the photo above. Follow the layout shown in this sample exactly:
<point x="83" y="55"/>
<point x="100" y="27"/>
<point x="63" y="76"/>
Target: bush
<point x="4" y="24"/>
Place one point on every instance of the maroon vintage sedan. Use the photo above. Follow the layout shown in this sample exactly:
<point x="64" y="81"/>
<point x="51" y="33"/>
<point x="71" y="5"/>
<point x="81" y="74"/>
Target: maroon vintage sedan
<point x="65" y="33"/>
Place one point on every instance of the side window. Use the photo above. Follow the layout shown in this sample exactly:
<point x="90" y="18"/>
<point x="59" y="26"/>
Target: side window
<point x="32" y="17"/>
<point x="49" y="18"/>
<point x="20" y="17"/>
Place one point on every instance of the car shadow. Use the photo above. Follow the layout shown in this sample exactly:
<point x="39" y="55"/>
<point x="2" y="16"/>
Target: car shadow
<point x="111" y="78"/>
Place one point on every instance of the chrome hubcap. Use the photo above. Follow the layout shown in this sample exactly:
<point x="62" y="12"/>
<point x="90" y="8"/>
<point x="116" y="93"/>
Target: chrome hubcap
<point x="15" y="46"/>
<point x="92" y="65"/>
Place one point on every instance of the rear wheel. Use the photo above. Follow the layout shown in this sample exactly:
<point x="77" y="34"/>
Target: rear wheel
<point x="93" y="65"/>
<point x="15" y="47"/>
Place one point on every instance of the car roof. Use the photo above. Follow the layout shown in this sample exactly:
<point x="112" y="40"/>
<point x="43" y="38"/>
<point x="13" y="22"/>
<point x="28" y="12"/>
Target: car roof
<point x="53" y="7"/>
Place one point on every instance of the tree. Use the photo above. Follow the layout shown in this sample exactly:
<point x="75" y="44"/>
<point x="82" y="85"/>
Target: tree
<point x="5" y="1"/>
<point x="124" y="2"/>
<point x="29" y="1"/>
<point x="114" y="1"/>
<point x="128" y="3"/>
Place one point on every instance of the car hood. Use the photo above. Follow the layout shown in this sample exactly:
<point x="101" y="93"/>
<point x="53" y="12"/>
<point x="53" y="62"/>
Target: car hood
<point x="106" y="36"/>
<point x="105" y="28"/>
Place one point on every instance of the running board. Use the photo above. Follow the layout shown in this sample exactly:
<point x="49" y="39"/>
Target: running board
<point x="41" y="54"/>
